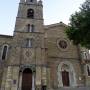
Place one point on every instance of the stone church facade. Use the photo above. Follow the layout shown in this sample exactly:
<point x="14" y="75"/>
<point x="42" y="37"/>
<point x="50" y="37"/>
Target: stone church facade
<point x="41" y="57"/>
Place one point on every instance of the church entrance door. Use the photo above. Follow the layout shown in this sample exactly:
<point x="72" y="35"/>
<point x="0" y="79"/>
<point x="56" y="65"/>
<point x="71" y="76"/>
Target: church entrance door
<point x="27" y="79"/>
<point x="65" y="78"/>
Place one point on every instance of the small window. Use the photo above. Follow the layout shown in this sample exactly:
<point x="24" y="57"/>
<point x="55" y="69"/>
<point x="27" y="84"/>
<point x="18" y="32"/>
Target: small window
<point x="4" y="52"/>
<point x="31" y="0"/>
<point x="30" y="28"/>
<point x="44" y="87"/>
<point x="28" y="0"/>
<point x="62" y="44"/>
<point x="88" y="70"/>
<point x="14" y="81"/>
<point x="29" y="43"/>
<point x="30" y="13"/>
<point x="84" y="55"/>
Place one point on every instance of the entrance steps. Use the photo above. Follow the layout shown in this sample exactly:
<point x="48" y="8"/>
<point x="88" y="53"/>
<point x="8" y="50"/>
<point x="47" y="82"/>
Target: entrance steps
<point x="73" y="88"/>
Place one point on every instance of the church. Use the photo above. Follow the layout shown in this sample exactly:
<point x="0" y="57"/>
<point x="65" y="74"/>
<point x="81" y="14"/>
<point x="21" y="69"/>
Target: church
<point x="41" y="57"/>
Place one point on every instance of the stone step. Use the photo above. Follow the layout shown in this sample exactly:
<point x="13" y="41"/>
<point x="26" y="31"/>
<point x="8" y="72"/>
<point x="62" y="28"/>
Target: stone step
<point x="73" y="88"/>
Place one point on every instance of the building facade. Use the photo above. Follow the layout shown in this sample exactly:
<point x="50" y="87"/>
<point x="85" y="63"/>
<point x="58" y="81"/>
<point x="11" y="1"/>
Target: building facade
<point x="41" y="57"/>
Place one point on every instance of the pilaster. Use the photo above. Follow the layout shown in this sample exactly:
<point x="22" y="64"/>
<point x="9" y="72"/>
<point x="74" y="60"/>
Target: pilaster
<point x="15" y="78"/>
<point x="4" y="79"/>
<point x="38" y="78"/>
<point x="8" y="78"/>
<point x="44" y="76"/>
<point x="48" y="78"/>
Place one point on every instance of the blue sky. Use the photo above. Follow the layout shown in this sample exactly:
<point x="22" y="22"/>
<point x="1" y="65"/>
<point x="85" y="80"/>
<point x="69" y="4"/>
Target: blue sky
<point x="54" y="12"/>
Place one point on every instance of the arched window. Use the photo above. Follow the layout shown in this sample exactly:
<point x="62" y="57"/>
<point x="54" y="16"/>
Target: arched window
<point x="28" y="0"/>
<point x="30" y="28"/>
<point x="30" y="13"/>
<point x="31" y="0"/>
<point x="4" y="52"/>
<point x="29" y="43"/>
<point x="88" y="70"/>
<point x="84" y="55"/>
<point x="44" y="87"/>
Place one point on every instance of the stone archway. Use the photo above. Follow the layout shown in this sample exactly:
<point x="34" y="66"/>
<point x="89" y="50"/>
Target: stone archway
<point x="66" y="74"/>
<point x="27" y="79"/>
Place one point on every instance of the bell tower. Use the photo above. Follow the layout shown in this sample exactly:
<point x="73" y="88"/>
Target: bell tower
<point x="29" y="38"/>
<point x="30" y="16"/>
<point x="26" y="65"/>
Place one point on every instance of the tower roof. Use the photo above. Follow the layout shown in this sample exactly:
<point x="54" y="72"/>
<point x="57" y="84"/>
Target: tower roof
<point x="28" y="1"/>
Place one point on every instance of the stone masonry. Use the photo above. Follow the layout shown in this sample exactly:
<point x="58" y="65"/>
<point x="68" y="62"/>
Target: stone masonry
<point x="41" y="57"/>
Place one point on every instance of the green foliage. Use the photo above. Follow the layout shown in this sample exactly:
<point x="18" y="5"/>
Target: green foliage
<point x="79" y="29"/>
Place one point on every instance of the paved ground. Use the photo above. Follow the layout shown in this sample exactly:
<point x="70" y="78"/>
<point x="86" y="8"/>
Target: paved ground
<point x="76" y="88"/>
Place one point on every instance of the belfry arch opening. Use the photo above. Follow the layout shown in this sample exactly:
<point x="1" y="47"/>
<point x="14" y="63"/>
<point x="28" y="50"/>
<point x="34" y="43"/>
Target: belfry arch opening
<point x="30" y="13"/>
<point x="27" y="79"/>
<point x="28" y="0"/>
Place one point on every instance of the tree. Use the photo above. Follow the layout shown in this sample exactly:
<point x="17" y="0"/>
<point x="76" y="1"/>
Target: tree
<point x="79" y="28"/>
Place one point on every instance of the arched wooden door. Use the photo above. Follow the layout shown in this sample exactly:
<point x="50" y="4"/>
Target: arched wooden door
<point x="27" y="79"/>
<point x="65" y="78"/>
